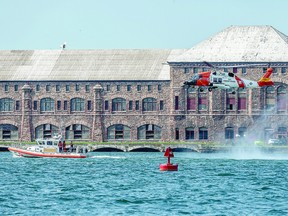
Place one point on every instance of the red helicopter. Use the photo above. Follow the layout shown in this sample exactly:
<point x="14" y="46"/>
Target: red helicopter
<point x="227" y="80"/>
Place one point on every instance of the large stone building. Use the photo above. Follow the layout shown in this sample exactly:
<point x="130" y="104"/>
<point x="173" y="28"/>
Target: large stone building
<point x="131" y="95"/>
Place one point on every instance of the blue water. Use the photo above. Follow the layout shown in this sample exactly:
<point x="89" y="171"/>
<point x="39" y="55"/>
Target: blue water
<point x="131" y="184"/>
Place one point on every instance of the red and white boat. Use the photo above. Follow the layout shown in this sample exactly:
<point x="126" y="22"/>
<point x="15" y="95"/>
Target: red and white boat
<point x="49" y="148"/>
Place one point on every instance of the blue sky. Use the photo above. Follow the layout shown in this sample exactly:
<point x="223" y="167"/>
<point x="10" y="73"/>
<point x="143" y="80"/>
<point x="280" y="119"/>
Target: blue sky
<point x="129" y="24"/>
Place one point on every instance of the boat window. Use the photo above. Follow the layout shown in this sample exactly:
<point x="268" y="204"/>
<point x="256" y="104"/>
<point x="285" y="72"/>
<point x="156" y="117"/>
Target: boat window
<point x="49" y="142"/>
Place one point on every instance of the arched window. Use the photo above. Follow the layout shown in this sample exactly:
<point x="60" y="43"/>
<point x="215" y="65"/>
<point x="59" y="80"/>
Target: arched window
<point x="6" y="104"/>
<point x="8" y="132"/>
<point x="119" y="132"/>
<point x="149" y="104"/>
<point x="270" y="98"/>
<point x="229" y="133"/>
<point x="203" y="133"/>
<point x="242" y="131"/>
<point x="118" y="104"/>
<point x="282" y="132"/>
<point x="46" y="131"/>
<point x="77" y="104"/>
<point x="47" y="104"/>
<point x="281" y="98"/>
<point x="77" y="131"/>
<point x="189" y="133"/>
<point x="149" y="131"/>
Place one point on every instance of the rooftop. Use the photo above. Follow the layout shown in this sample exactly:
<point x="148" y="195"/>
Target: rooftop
<point x="83" y="65"/>
<point x="240" y="44"/>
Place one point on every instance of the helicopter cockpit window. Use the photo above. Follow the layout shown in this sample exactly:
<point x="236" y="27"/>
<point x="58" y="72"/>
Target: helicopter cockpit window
<point x="196" y="76"/>
<point x="217" y="80"/>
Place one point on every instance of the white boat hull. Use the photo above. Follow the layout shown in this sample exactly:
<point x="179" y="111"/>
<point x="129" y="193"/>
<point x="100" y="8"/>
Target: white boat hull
<point x="32" y="154"/>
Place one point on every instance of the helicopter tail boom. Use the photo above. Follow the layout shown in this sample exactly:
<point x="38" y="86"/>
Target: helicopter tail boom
<point x="265" y="80"/>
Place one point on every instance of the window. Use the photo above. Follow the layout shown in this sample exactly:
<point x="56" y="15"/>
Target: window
<point x="242" y="131"/>
<point x="244" y="71"/>
<point x="65" y="105"/>
<point x="230" y="104"/>
<point x="229" y="133"/>
<point x="77" y="104"/>
<point x="57" y="88"/>
<point x="149" y="104"/>
<point x="161" y="105"/>
<point x="176" y="103"/>
<point x="77" y="87"/>
<point x="281" y="98"/>
<point x="76" y="132"/>
<point x="118" y="87"/>
<point x="270" y="98"/>
<point x="138" y="88"/>
<point x="202" y="103"/>
<point x="191" y="103"/>
<point x="48" y="88"/>
<point x="149" y="88"/>
<point x="87" y="88"/>
<point x="46" y="131"/>
<point x="106" y="105"/>
<point x="8" y="132"/>
<point x="17" y="106"/>
<point x="241" y="103"/>
<point x="177" y="134"/>
<point x="46" y="104"/>
<point x="128" y="88"/>
<point x="195" y="70"/>
<point x="283" y="70"/>
<point x="234" y="69"/>
<point x="67" y="88"/>
<point x="6" y="104"/>
<point x="16" y="88"/>
<point x="107" y="88"/>
<point x="35" y="105"/>
<point x="159" y="88"/>
<point x="89" y="105"/>
<point x="225" y="69"/>
<point x="130" y="105"/>
<point x="149" y="131"/>
<point x="58" y="105"/>
<point x="119" y="132"/>
<point x="6" y="87"/>
<point x="137" y="105"/>
<point x="203" y="133"/>
<point x="186" y="70"/>
<point x="189" y="133"/>
<point x="37" y="88"/>
<point x="118" y="104"/>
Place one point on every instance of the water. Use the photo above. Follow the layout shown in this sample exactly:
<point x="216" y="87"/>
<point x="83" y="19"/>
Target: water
<point x="131" y="184"/>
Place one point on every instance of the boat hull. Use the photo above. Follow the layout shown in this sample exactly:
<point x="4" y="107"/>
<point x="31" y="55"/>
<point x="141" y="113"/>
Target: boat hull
<point x="31" y="154"/>
<point x="168" y="167"/>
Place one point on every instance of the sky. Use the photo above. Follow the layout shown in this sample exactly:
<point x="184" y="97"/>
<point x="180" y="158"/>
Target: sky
<point x="128" y="24"/>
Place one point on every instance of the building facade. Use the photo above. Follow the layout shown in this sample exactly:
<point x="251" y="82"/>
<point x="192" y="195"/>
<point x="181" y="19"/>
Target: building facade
<point x="138" y="95"/>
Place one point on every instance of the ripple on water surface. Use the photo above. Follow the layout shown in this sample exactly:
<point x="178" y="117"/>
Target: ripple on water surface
<point x="131" y="184"/>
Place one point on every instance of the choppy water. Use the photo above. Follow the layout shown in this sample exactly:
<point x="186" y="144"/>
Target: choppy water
<point x="131" y="184"/>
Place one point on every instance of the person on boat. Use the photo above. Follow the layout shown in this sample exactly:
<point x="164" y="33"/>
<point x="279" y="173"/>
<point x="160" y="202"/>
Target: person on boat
<point x="60" y="146"/>
<point x="64" y="146"/>
<point x="71" y="146"/>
